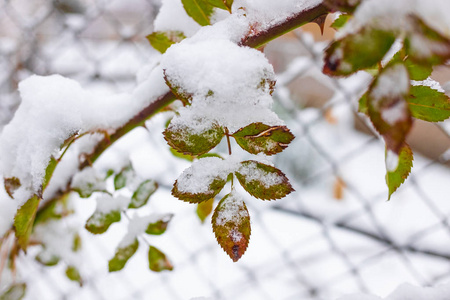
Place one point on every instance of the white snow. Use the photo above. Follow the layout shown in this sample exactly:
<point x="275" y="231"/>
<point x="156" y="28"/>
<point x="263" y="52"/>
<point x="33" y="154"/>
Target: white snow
<point x="88" y="179"/>
<point x="393" y="82"/>
<point x="252" y="173"/>
<point x="392" y="160"/>
<point x="233" y="210"/>
<point x="173" y="10"/>
<point x="107" y="203"/>
<point x="396" y="113"/>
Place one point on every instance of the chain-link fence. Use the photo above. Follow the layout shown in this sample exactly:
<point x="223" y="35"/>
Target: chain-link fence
<point x="335" y="235"/>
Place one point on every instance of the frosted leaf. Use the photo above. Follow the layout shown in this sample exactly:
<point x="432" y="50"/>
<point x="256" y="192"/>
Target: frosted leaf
<point x="203" y="180"/>
<point x="138" y="225"/>
<point x="142" y="194"/>
<point x="14" y="292"/>
<point x="122" y="255"/>
<point x="108" y="211"/>
<point x="231" y="225"/>
<point x="88" y="181"/>
<point x="263" y="181"/>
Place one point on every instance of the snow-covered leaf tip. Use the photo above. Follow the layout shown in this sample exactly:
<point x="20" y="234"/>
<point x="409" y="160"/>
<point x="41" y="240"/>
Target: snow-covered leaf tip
<point x="158" y="261"/>
<point x="182" y="139"/>
<point x="258" y="137"/>
<point x="124" y="176"/>
<point x="201" y="181"/>
<point x="263" y="181"/>
<point x="398" y="167"/>
<point x="231" y="225"/>
<point x="142" y="194"/>
<point x="99" y="222"/>
<point x="160" y="226"/>
<point x="14" y="292"/>
<point x="123" y="254"/>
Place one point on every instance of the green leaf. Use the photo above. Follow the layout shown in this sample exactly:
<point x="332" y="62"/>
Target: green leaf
<point x="158" y="261"/>
<point x="357" y="51"/>
<point x="11" y="184"/>
<point x="76" y="245"/>
<point x="160" y="226"/>
<point x="121" y="179"/>
<point x="142" y="194"/>
<point x="201" y="181"/>
<point x="123" y="254"/>
<point x="99" y="222"/>
<point x="231" y="225"/>
<point x="204" y="209"/>
<point x="387" y="107"/>
<point x="73" y="274"/>
<point x="428" y="104"/>
<point x="180" y="155"/>
<point x="49" y="171"/>
<point x="340" y="21"/>
<point x="24" y="220"/>
<point x="219" y="4"/>
<point x="14" y="292"/>
<point x="47" y="259"/>
<point x="199" y="10"/>
<point x="183" y="140"/>
<point x="258" y="137"/>
<point x="263" y="181"/>
<point x="363" y="105"/>
<point x="425" y="45"/>
<point x="416" y="71"/>
<point x="48" y="212"/>
<point x="162" y="40"/>
<point x="394" y="178"/>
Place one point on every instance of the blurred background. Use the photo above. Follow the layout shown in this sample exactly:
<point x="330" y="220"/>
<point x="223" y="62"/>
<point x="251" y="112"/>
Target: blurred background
<point x="336" y="235"/>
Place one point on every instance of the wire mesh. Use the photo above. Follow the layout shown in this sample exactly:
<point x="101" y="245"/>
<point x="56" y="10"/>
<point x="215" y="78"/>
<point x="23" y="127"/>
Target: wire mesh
<point x="336" y="235"/>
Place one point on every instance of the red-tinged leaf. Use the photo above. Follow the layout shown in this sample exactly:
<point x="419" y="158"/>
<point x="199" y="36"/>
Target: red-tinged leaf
<point x="258" y="137"/>
<point x="201" y="181"/>
<point x="387" y="107"/>
<point x="160" y="226"/>
<point x="425" y="45"/>
<point x="231" y="225"/>
<point x="428" y="104"/>
<point x="357" y="51"/>
<point x="182" y="139"/>
<point x="263" y="181"/>
<point x="122" y="255"/>
<point x="398" y="167"/>
<point x="204" y="209"/>
<point x="24" y="220"/>
<point x="162" y="40"/>
<point x="11" y="184"/>
<point x="158" y="261"/>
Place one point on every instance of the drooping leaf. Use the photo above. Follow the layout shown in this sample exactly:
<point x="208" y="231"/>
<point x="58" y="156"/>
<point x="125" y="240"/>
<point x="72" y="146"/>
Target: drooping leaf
<point x="387" y="107"/>
<point x="204" y="209"/>
<point x="182" y="139"/>
<point x="199" y="10"/>
<point x="396" y="175"/>
<point x="160" y="226"/>
<point x="263" y="181"/>
<point x="11" y="184"/>
<point x="231" y="225"/>
<point x="74" y="275"/>
<point x="202" y="181"/>
<point x="14" y="292"/>
<point x="24" y="220"/>
<point x="357" y="51"/>
<point x="142" y="194"/>
<point x="123" y="254"/>
<point x="87" y="182"/>
<point x="121" y="179"/>
<point x="258" y="137"/>
<point x="48" y="212"/>
<point x="428" y="104"/>
<point x="49" y="171"/>
<point x="162" y="40"/>
<point x="158" y="261"/>
<point x="340" y="21"/>
<point x="99" y="222"/>
<point x="47" y="259"/>
<point x="180" y="93"/>
<point x="425" y="45"/>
